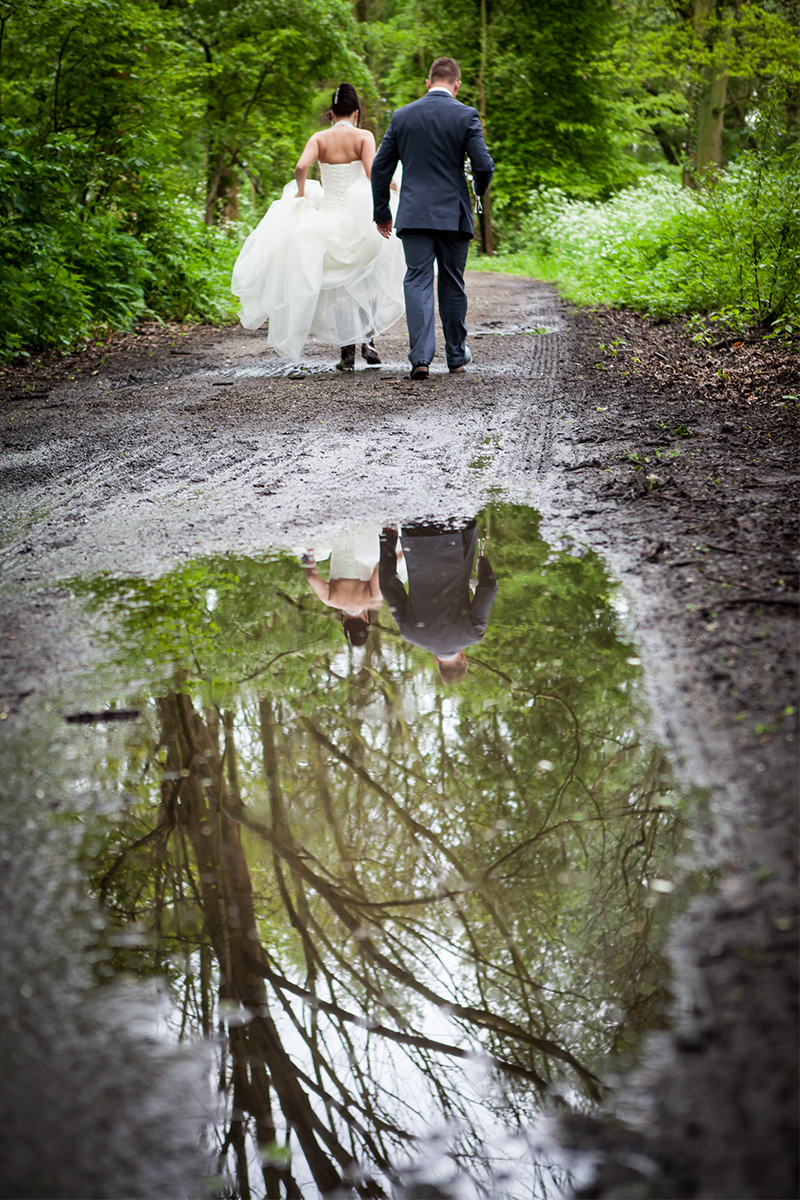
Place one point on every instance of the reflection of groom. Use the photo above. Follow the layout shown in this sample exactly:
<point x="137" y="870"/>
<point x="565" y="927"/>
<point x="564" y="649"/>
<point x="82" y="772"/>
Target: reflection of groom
<point x="437" y="613"/>
<point x="432" y="137"/>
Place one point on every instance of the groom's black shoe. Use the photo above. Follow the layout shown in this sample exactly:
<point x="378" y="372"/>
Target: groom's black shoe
<point x="419" y="370"/>
<point x="369" y="353"/>
<point x="348" y="360"/>
<point x="467" y="359"/>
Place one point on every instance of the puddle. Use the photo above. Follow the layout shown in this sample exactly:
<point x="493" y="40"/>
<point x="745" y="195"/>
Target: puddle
<point x="308" y="367"/>
<point x="410" y="918"/>
<point x="515" y="330"/>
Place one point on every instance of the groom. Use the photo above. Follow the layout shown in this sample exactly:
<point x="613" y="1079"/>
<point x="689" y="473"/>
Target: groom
<point x="432" y="137"/>
<point x="438" y="613"/>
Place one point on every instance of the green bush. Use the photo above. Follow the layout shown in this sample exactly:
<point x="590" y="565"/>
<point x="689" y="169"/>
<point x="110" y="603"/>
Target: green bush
<point x="732" y="246"/>
<point x="189" y="263"/>
<point x="70" y="262"/>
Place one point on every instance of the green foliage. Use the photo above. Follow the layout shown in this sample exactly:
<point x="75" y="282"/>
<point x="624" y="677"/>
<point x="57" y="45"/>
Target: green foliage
<point x="528" y="69"/>
<point x="653" y="64"/>
<point x="119" y="118"/>
<point x="253" y="72"/>
<point x="217" y="622"/>
<point x="135" y="134"/>
<point x="666" y="250"/>
<point x="59" y="275"/>
<point x="67" y="268"/>
<point x="546" y="118"/>
<point x="189" y="263"/>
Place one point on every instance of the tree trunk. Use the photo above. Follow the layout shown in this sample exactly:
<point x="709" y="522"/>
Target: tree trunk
<point x="710" y="115"/>
<point x="485" y="217"/>
<point x="710" y="95"/>
<point x="222" y="193"/>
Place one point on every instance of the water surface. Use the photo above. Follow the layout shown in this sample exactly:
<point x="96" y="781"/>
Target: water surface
<point x="411" y="919"/>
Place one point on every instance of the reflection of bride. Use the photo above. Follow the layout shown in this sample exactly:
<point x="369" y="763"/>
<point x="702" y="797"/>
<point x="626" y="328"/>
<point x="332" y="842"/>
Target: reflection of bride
<point x="316" y="264"/>
<point x="352" y="587"/>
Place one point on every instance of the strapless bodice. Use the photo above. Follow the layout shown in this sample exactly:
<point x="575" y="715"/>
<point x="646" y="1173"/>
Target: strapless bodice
<point x="336" y="178"/>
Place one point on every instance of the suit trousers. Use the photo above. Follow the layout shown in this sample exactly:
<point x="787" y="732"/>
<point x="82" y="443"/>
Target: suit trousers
<point x="448" y="248"/>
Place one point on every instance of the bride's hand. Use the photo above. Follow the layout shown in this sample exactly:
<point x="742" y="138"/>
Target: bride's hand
<point x="393" y="186"/>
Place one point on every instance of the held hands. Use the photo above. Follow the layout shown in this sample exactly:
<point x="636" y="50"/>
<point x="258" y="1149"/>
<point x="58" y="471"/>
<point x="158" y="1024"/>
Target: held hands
<point x="384" y="228"/>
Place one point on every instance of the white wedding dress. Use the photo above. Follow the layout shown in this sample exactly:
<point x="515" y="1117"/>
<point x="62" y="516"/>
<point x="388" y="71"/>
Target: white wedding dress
<point x="317" y="265"/>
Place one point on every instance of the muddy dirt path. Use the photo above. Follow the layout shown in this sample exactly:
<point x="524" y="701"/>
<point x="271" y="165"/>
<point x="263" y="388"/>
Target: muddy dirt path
<point x="162" y="447"/>
<point x="213" y="443"/>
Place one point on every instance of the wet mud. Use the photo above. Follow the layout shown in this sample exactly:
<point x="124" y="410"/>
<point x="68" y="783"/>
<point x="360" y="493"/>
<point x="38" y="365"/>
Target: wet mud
<point x="141" y="458"/>
<point x="687" y="484"/>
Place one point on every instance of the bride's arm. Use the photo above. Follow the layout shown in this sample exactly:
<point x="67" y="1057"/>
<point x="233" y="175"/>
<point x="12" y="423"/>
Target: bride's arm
<point x="367" y="152"/>
<point x="318" y="584"/>
<point x="310" y="155"/>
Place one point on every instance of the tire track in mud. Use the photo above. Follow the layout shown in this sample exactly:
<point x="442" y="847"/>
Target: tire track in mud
<point x="548" y="354"/>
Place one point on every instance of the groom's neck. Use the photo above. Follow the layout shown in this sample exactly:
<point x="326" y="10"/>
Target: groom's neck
<point x="445" y="84"/>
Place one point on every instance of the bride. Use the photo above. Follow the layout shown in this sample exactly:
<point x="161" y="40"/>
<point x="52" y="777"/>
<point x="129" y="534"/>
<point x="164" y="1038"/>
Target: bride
<point x="316" y="264"/>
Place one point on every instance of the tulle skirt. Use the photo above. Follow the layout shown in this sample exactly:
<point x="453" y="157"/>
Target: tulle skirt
<point x="310" y="267"/>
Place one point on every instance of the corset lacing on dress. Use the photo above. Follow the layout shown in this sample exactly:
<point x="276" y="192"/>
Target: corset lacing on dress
<point x="336" y="179"/>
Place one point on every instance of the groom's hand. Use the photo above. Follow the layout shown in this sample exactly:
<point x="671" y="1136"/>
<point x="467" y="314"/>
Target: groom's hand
<point x="384" y="228"/>
<point x="388" y="540"/>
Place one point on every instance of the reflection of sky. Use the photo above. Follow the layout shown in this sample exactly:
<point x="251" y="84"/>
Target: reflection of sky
<point x="620" y="603"/>
<point x="475" y="1152"/>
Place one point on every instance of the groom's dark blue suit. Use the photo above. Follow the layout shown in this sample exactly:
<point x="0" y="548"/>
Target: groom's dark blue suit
<point x="432" y="137"/>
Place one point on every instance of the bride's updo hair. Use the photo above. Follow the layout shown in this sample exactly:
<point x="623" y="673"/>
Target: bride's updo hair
<point x="345" y="101"/>
<point x="356" y="629"/>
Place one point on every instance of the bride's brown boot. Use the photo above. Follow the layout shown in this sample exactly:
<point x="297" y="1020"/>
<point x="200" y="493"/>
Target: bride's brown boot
<point x="369" y="353"/>
<point x="348" y="360"/>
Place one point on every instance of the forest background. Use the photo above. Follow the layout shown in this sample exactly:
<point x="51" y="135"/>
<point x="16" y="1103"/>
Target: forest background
<point x="646" y="150"/>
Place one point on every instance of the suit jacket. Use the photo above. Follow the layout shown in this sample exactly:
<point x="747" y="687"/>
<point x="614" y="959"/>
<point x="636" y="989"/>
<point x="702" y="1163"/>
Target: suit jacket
<point x="431" y="137"/>
<point x="437" y="613"/>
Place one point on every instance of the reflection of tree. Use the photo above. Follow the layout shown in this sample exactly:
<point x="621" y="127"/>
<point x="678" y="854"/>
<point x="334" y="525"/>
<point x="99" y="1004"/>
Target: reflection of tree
<point x="389" y="912"/>
<point x="206" y="807"/>
<point x="378" y="881"/>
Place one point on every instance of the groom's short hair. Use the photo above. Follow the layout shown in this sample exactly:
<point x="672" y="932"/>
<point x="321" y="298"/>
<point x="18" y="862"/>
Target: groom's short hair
<point x="446" y="69"/>
<point x="451" y="672"/>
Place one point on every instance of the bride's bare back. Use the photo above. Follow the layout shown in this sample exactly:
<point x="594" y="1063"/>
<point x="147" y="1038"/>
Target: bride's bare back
<point x="343" y="143"/>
